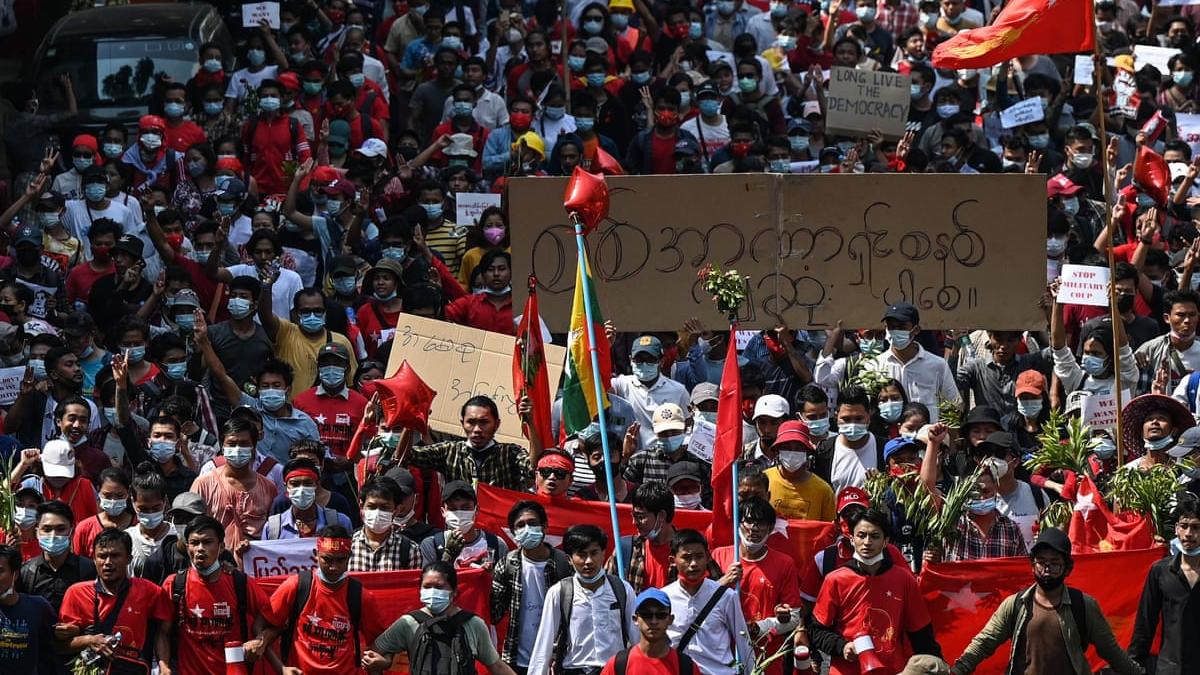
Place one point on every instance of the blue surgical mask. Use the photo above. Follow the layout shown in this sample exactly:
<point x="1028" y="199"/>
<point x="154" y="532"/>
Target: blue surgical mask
<point x="853" y="431"/>
<point x="914" y="91"/>
<point x="82" y="163"/>
<point x="1104" y="448"/>
<point x="982" y="507"/>
<point x="395" y="252"/>
<point x="136" y="354"/>
<point x="947" y="110"/>
<point x="256" y="57"/>
<point x="1039" y="141"/>
<point x="462" y="108"/>
<point x="237" y="456"/>
<point x="436" y="599"/>
<point x="798" y="143"/>
<point x="175" y="371"/>
<point x="596" y="79"/>
<point x="333" y="206"/>
<point x="645" y="372"/>
<point x="332" y="376"/>
<point x="239" y="308"/>
<point x="575" y="63"/>
<point x="709" y="107"/>
<point x="1070" y="205"/>
<point x="95" y="192"/>
<point x="452" y="42"/>
<point x="110" y="414"/>
<point x="38" y="366"/>
<point x="312" y="323"/>
<point x="212" y="65"/>
<point x="150" y="520"/>
<point x="226" y="208"/>
<point x="112" y="150"/>
<point x="161" y="451"/>
<point x="818" y="427"/>
<point x="1030" y="408"/>
<point x="619" y="21"/>
<point x="173" y="109"/>
<point x="778" y="10"/>
<point x="592" y="27"/>
<point x="1159" y="444"/>
<point x="707" y="416"/>
<point x="554" y="112"/>
<point x="345" y="285"/>
<point x="113" y="507"/>
<point x="725" y="7"/>
<point x="47" y="219"/>
<point x="899" y="339"/>
<point x="1175" y="546"/>
<point x="1183" y="78"/>
<point x="434" y="211"/>
<point x="384" y="297"/>
<point x="695" y="30"/>
<point x="272" y="399"/>
<point x="529" y="537"/>
<point x="1093" y="365"/>
<point x="890" y="410"/>
<point x="54" y="544"/>
<point x="641" y="78"/>
<point x="747" y="84"/>
<point x="779" y="166"/>
<point x="357" y="80"/>
<point x="670" y="443"/>
<point x="585" y="123"/>
<point x="268" y="103"/>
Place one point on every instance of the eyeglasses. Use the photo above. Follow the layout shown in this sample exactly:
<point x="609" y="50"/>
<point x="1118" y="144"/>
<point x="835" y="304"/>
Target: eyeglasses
<point x="560" y="474"/>
<point x="655" y="616"/>
<point x="1047" y="566"/>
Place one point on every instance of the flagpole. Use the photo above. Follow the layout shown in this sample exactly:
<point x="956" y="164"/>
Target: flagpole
<point x="1102" y="153"/>
<point x="585" y="279"/>
<point x="737" y="535"/>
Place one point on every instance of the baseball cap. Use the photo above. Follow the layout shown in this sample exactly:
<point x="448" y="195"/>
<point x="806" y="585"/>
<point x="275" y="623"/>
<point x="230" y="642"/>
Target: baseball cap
<point x="333" y="349"/>
<point x="1187" y="443"/>
<point x="231" y="188"/>
<point x="651" y="595"/>
<point x="28" y="234"/>
<point x="455" y="488"/>
<point x="339" y="187"/>
<point x="29" y="483"/>
<point x="897" y="444"/>
<point x="771" y="405"/>
<point x="596" y="45"/>
<point x="903" y="311"/>
<point x="1061" y="185"/>
<point x="647" y="344"/>
<point x="668" y="417"/>
<point x="35" y="327"/>
<point x="708" y="88"/>
<point x="403" y="478"/>
<point x="687" y="146"/>
<point x="188" y="502"/>
<point x="131" y="245"/>
<point x="58" y="459"/>
<point x="793" y="431"/>
<point x="78" y="324"/>
<point x="342" y="265"/>
<point x="290" y="81"/>
<point x="148" y="122"/>
<point x="373" y="147"/>
<point x="186" y="297"/>
<point x="850" y="496"/>
<point x="1054" y="539"/>
<point x="1030" y="382"/>
<point x="683" y="471"/>
<point x="997" y="440"/>
<point x="705" y="391"/>
<point x="799" y="124"/>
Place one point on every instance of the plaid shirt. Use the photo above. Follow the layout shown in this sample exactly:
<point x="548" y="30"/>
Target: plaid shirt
<point x="1003" y="540"/>
<point x="507" y="594"/>
<point x="504" y="465"/>
<point x="897" y="20"/>
<point x="387" y="558"/>
<point x="652" y="465"/>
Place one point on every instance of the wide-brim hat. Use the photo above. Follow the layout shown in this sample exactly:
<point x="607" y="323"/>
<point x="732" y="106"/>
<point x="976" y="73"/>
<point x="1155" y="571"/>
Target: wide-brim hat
<point x="1135" y="412"/>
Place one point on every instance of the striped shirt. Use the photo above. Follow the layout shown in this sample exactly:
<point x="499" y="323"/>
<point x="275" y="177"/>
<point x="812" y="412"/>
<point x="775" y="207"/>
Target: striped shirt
<point x="442" y="240"/>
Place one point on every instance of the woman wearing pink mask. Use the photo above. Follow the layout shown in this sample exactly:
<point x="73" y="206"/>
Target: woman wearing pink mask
<point x="492" y="233"/>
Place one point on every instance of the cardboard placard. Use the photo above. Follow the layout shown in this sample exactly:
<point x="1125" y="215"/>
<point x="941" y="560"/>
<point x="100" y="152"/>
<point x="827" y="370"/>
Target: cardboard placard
<point x="1085" y="70"/>
<point x="1027" y="111"/>
<point x="1084" y="285"/>
<point x="278" y="557"/>
<point x="468" y="206"/>
<point x="1146" y="55"/>
<point x="967" y="250"/>
<point x="254" y="12"/>
<point x="1100" y="410"/>
<point x="10" y="384"/>
<point x="459" y="362"/>
<point x="861" y="100"/>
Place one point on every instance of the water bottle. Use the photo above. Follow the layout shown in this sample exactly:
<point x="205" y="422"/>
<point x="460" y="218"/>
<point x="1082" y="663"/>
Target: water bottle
<point x="91" y="657"/>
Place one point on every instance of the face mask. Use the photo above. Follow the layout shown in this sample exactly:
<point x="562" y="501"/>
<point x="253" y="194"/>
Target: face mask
<point x="150" y="520"/>
<point x="377" y="520"/>
<point x="356" y="80"/>
<point x="239" y="308"/>
<point x="110" y="414"/>
<point x="112" y="150"/>
<point x="436" y="599"/>
<point x="329" y="581"/>
<point x="899" y="339"/>
<point x="645" y="372"/>
<point x="695" y="30"/>
<point x="747" y="84"/>
<point x="947" y="110"/>
<point x="137" y="354"/>
<point x="853" y="431"/>
<point x="498" y="292"/>
<point x="1030" y="408"/>
<point x="594" y="80"/>
<point x="385" y="297"/>
<point x="575" y="63"/>
<point x="24" y="517"/>
<point x="1055" y="246"/>
<point x="395" y="253"/>
<point x="710" y="417"/>
<point x="1092" y="365"/>
<point x="868" y="561"/>
<point x="389" y="439"/>
<point x="95" y="192"/>
<point x="434" y="211"/>
<point x="462" y="108"/>
<point x="493" y="234"/>
<point x="312" y="323"/>
<point x="272" y="399"/>
<point x="866" y="14"/>
<point x="1070" y="205"/>
<point x="173" y="110"/>
<point x="779" y="166"/>
<point x="176" y="371"/>
<point x="82" y="163"/>
<point x="38" y="366"/>
<point x="256" y="57"/>
<point x="54" y="544"/>
<point x="1105" y="449"/>
<point x="725" y="7"/>
<point x="1176" y="545"/>
<point x="914" y="91"/>
<point x="345" y="285"/>
<point x="113" y="507"/>
<point x="671" y="443"/>
<point x="982" y="507"/>
<point x="818" y="427"/>
<point x="1160" y="444"/>
<point x="590" y="580"/>
<point x="237" y="456"/>
<point x="641" y="78"/>
<point x="529" y="537"/>
<point x="1182" y="77"/>
<point x="890" y="410"/>
<point x="592" y="27"/>
<point x="1082" y="160"/>
<point x="161" y="451"/>
<point x="150" y="141"/>
<point x="47" y="220"/>
<point x="268" y="103"/>
<point x="332" y="376"/>
<point x="689" y="502"/>
<point x="212" y="65"/>
<point x="452" y="42"/>
<point x="461" y="521"/>
<point x="554" y="112"/>
<point x="792" y="460"/>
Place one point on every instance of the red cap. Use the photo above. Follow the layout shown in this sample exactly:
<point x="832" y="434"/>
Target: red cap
<point x="289" y="81"/>
<point x="151" y="122"/>
<point x="340" y="186"/>
<point x="793" y="431"/>
<point x="1030" y="382"/>
<point x="230" y="164"/>
<point x="853" y="495"/>
<point x="86" y="140"/>
<point x="325" y="174"/>
<point x="1061" y="185"/>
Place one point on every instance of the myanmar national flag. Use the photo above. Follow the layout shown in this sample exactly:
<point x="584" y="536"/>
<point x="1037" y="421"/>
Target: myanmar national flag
<point x="579" y="404"/>
<point x="1022" y="27"/>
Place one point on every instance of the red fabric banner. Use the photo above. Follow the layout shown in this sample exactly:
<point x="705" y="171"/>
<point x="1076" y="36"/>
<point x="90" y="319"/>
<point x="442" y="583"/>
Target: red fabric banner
<point x="530" y="378"/>
<point x="963" y="595"/>
<point x="1023" y="27"/>
<point x="1095" y="529"/>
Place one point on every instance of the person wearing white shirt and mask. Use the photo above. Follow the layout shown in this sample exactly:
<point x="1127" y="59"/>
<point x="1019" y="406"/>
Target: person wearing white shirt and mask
<point x="856" y="450"/>
<point x="646" y="389"/>
<point x="927" y="378"/>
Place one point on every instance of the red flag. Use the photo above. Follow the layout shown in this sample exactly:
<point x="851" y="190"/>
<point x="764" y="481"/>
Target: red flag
<point x="727" y="446"/>
<point x="1023" y="27"/>
<point x="529" y="371"/>
<point x="1152" y="175"/>
<point x="1094" y="528"/>
<point x="406" y="400"/>
<point x="961" y="596"/>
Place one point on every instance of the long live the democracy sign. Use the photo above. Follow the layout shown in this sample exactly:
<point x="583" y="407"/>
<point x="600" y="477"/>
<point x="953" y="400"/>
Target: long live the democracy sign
<point x="860" y="101"/>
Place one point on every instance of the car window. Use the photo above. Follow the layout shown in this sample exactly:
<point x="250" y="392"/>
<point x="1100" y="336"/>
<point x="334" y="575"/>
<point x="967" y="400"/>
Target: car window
<point x="119" y="71"/>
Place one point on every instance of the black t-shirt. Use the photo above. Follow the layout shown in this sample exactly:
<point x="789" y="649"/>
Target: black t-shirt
<point x="28" y="630"/>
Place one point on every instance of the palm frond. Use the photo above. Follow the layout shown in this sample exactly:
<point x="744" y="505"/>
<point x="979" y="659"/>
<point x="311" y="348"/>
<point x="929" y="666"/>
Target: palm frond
<point x="1053" y="453"/>
<point x="1153" y="491"/>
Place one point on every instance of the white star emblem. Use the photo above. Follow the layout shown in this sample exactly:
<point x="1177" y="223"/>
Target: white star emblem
<point x="198" y="611"/>
<point x="314" y="619"/>
<point x="965" y="598"/>
<point x="1085" y="504"/>
<point x="320" y="419"/>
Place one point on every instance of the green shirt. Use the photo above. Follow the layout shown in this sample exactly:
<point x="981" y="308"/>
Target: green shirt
<point x="399" y="638"/>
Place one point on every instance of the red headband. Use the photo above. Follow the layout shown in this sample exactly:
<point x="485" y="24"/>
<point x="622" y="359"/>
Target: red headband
<point x="555" y="460"/>
<point x="302" y="471"/>
<point x="333" y="545"/>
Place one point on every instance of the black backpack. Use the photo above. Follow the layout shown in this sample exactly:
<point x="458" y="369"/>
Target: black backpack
<point x="441" y="645"/>
<point x="622" y="662"/>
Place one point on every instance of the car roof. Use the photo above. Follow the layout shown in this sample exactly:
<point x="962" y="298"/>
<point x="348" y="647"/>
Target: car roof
<point x="148" y="19"/>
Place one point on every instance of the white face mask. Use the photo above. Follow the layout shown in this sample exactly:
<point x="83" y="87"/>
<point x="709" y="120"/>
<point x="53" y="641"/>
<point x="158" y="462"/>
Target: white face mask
<point x="691" y="501"/>
<point x="868" y="561"/>
<point x="377" y="520"/>
<point x="462" y="521"/>
<point x="792" y="460"/>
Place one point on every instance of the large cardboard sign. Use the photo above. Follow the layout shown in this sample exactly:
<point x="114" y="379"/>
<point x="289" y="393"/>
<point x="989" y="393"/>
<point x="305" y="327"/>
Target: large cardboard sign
<point x="861" y="100"/>
<point x="459" y="362"/>
<point x="967" y="250"/>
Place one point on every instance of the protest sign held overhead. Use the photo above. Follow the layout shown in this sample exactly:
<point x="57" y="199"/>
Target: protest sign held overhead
<point x="862" y="100"/>
<point x="1084" y="285"/>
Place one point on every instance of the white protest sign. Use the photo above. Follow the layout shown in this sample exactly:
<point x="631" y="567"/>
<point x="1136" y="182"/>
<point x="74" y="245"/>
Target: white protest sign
<point x="1177" y="3"/>
<point x="254" y="12"/>
<point x="1100" y="410"/>
<point x="1027" y="111"/>
<point x="278" y="557"/>
<point x="468" y="206"/>
<point x="704" y="436"/>
<point x="1084" y="285"/>
<point x="1145" y="55"/>
<point x="10" y="383"/>
<point x="1189" y="130"/>
<point x="1084" y="69"/>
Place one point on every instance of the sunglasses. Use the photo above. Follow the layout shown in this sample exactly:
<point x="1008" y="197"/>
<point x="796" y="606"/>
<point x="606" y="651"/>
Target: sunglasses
<point x="655" y="616"/>
<point x="560" y="474"/>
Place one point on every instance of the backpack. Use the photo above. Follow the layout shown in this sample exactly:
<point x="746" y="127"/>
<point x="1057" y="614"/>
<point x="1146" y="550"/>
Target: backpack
<point x="683" y="660"/>
<point x="441" y="645"/>
<point x="240" y="582"/>
<point x="1193" y="385"/>
<point x="1079" y="613"/>
<point x="275" y="525"/>
<point x="566" y="593"/>
<point x="304" y="589"/>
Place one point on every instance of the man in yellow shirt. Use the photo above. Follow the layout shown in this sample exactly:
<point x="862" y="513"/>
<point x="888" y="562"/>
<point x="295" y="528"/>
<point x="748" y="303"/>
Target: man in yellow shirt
<point x="298" y="341"/>
<point x="797" y="493"/>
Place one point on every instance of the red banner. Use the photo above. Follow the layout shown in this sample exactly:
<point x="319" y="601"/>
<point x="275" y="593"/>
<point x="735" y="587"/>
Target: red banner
<point x="963" y="595"/>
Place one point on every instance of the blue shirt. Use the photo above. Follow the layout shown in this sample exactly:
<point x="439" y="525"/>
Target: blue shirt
<point x="279" y="433"/>
<point x="287" y="524"/>
<point x="28" y="632"/>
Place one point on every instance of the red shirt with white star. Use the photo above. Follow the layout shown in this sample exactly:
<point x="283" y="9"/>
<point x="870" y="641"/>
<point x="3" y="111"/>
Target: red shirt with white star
<point x="322" y="643"/>
<point x="767" y="582"/>
<point x="145" y="601"/>
<point x="336" y="415"/>
<point x="207" y="617"/>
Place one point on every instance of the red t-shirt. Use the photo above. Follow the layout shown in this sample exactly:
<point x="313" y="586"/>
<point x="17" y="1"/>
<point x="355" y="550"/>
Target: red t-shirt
<point x="662" y="154"/>
<point x="811" y="578"/>
<point x="145" y="601"/>
<point x="78" y="493"/>
<point x="321" y="643"/>
<point x="375" y="333"/>
<point x="85" y="535"/>
<point x="207" y="618"/>
<point x="336" y="417"/>
<point x="272" y="144"/>
<point x="768" y="582"/>
<point x="658" y="561"/>
<point x="29" y="547"/>
<point x="81" y="278"/>
<point x="477" y="311"/>
<point x="205" y="287"/>
<point x="641" y="664"/>
<point x="887" y="606"/>
<point x="185" y="135"/>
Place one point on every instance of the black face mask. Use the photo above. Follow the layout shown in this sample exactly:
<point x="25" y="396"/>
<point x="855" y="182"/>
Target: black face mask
<point x="1124" y="303"/>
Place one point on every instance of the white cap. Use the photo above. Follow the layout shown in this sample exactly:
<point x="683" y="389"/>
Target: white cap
<point x="668" y="417"/>
<point x="771" y="405"/>
<point x="373" y="147"/>
<point x="58" y="459"/>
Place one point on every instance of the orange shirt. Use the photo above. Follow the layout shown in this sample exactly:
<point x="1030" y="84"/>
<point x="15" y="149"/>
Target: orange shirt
<point x="242" y="513"/>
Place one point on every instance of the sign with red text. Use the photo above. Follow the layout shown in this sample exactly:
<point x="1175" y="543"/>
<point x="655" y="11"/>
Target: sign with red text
<point x="278" y="557"/>
<point x="1100" y="411"/>
<point x="1084" y="285"/>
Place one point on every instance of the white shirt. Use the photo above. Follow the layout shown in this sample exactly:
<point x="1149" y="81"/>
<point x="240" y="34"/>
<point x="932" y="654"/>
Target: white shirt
<point x="850" y="465"/>
<point x="595" y="630"/>
<point x="533" y="596"/>
<point x="550" y="129"/>
<point x="490" y="110"/>
<point x="828" y="374"/>
<point x="126" y="212"/>
<point x="712" y="647"/>
<point x="285" y="288"/>
<point x="1021" y="508"/>
<point x="713" y="137"/>
<point x="242" y="81"/>
<point x="645" y="401"/>
<point x="143" y="546"/>
<point x="374" y="71"/>
<point x="925" y="377"/>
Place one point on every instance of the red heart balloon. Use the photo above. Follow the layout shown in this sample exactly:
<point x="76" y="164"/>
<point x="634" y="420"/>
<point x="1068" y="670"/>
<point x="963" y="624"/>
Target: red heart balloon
<point x="586" y="198"/>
